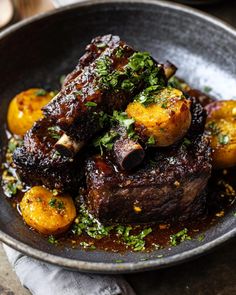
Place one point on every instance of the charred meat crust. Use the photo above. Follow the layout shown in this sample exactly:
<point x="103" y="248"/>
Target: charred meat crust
<point x="169" y="186"/>
<point x="38" y="163"/>
<point x="69" y="109"/>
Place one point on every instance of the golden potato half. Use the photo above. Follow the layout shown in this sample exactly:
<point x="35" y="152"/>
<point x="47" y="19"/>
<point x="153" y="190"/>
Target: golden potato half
<point x="25" y="109"/>
<point x="162" y="115"/>
<point x="46" y="213"/>
<point x="221" y="124"/>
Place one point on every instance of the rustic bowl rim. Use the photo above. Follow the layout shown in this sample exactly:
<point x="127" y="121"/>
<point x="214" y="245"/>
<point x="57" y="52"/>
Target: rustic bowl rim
<point x="124" y="267"/>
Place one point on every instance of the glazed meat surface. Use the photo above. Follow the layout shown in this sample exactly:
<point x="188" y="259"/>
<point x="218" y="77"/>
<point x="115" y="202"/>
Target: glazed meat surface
<point x="38" y="162"/>
<point x="168" y="186"/>
<point x="106" y="83"/>
<point x="104" y="80"/>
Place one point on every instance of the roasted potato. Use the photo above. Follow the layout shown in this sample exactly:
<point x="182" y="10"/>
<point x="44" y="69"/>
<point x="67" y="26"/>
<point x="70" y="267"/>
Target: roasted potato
<point x="25" y="109"/>
<point x="162" y="116"/>
<point x="221" y="124"/>
<point x="46" y="213"/>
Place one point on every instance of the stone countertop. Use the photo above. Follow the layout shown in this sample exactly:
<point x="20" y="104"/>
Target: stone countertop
<point x="211" y="274"/>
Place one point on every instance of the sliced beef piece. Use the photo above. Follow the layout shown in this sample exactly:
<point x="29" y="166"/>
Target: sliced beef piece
<point x="108" y="83"/>
<point x="38" y="163"/>
<point x="168" y="186"/>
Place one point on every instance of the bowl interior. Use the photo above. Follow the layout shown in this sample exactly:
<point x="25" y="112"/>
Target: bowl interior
<point x="38" y="53"/>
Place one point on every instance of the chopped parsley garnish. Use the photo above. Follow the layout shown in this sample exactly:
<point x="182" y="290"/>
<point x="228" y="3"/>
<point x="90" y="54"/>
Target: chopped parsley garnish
<point x="11" y="188"/>
<point x="148" y="95"/>
<point x="90" y="104"/>
<point x="103" y="119"/>
<point x="78" y="92"/>
<point x="201" y="238"/>
<point x="54" y="132"/>
<point x="234" y="214"/>
<point x="119" y="52"/>
<point x="57" y="204"/>
<point x="103" y="66"/>
<point x="119" y="261"/>
<point x="86" y="223"/>
<point x="11" y="184"/>
<point x="223" y="139"/>
<point x="12" y="146"/>
<point x="141" y="60"/>
<point x="179" y="237"/>
<point x="136" y="242"/>
<point x="127" y="85"/>
<point x="215" y="130"/>
<point x="91" y="226"/>
<point x="87" y="246"/>
<point x="186" y="142"/>
<point x="140" y="67"/>
<point x="56" y="155"/>
<point x="178" y="84"/>
<point x="52" y="240"/>
<point x="41" y="92"/>
<point x="151" y="140"/>
<point x="207" y="89"/>
<point x="106" y="140"/>
<point x="126" y="122"/>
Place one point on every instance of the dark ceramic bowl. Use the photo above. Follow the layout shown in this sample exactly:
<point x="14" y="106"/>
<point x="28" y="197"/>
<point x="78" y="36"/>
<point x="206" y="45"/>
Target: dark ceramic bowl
<point x="38" y="51"/>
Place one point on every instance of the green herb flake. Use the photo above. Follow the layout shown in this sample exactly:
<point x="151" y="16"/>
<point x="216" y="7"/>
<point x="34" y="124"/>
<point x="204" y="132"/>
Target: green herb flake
<point x="186" y="142"/>
<point x="54" y="132"/>
<point x="119" y="52"/>
<point x="223" y="139"/>
<point x="87" y="246"/>
<point x="57" y="204"/>
<point x="12" y="146"/>
<point x="151" y="140"/>
<point x="90" y="104"/>
<point x="164" y="105"/>
<point x="234" y="214"/>
<point x="207" y="89"/>
<point x="201" y="238"/>
<point x="106" y="141"/>
<point x="40" y="92"/>
<point x="11" y="188"/>
<point x="123" y="120"/>
<point x="52" y="240"/>
<point x="103" y="119"/>
<point x="136" y="242"/>
<point x="179" y="237"/>
<point x="127" y="85"/>
<point x="52" y="202"/>
<point x="119" y="261"/>
<point x="213" y="128"/>
<point x="177" y="83"/>
<point x="103" y="66"/>
<point x="90" y="225"/>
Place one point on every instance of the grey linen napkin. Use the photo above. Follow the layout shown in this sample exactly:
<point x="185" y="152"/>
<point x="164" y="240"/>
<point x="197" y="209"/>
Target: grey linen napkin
<point x="46" y="279"/>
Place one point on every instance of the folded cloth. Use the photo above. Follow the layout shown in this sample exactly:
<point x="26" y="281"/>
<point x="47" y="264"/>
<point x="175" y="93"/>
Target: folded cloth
<point x="45" y="279"/>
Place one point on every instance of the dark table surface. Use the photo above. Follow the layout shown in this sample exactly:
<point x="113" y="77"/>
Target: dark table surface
<point x="213" y="273"/>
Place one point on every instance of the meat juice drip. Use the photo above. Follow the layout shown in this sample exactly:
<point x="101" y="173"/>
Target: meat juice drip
<point x="221" y="195"/>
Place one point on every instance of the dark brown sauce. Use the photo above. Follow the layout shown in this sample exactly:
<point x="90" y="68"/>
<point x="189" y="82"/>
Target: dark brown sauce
<point x="221" y="195"/>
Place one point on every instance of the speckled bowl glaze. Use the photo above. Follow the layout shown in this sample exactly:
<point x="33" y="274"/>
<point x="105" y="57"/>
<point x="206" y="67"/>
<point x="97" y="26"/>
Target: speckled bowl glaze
<point x="36" y="52"/>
